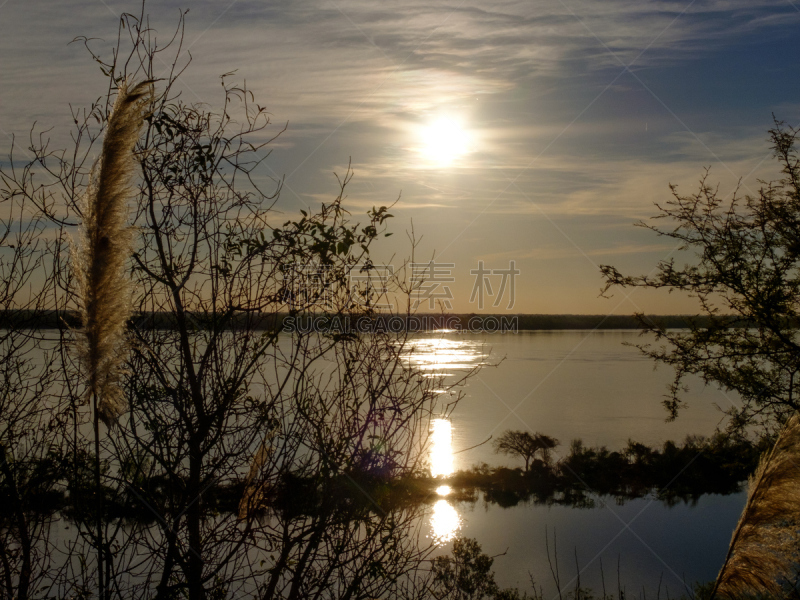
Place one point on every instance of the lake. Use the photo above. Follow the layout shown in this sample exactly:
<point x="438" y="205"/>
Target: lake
<point x="575" y="384"/>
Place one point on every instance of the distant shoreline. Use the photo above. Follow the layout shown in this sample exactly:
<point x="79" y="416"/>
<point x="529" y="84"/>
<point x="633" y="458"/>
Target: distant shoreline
<point x="420" y="322"/>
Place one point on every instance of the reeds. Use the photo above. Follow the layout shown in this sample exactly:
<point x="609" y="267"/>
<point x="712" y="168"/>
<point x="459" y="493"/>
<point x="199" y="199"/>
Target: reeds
<point x="104" y="290"/>
<point x="763" y="549"/>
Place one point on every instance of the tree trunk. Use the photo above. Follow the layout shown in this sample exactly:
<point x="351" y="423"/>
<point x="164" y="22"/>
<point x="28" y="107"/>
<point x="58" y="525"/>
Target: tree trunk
<point x="22" y="525"/>
<point x="193" y="517"/>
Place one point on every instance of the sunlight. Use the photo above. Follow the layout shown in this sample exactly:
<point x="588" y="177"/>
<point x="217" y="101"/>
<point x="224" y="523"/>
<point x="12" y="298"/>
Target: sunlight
<point x="444" y="140"/>
<point x="441" y="448"/>
<point x="445" y="522"/>
<point x="442" y="354"/>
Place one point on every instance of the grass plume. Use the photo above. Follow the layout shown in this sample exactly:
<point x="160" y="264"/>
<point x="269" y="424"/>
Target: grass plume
<point x="763" y="547"/>
<point x="254" y="491"/>
<point x="104" y="290"/>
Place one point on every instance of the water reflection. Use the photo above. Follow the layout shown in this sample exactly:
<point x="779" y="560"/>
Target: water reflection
<point x="439" y="356"/>
<point x="588" y="386"/>
<point x="445" y="522"/>
<point x="436" y="355"/>
<point x="441" y="448"/>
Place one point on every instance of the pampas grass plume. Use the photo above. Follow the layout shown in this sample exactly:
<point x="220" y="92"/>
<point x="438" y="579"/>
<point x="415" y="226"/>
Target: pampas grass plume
<point x="764" y="544"/>
<point x="104" y="290"/>
<point x="254" y="493"/>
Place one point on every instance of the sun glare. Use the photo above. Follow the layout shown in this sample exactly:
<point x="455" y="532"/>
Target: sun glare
<point x="444" y="140"/>
<point x="441" y="449"/>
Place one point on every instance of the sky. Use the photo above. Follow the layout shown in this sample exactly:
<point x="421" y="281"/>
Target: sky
<point x="521" y="139"/>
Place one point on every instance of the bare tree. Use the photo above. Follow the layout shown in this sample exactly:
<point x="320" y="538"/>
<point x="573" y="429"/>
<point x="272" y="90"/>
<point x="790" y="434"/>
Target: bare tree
<point x="35" y="403"/>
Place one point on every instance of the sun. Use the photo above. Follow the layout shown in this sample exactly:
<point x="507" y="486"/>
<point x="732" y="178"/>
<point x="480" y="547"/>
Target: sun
<point x="444" y="140"/>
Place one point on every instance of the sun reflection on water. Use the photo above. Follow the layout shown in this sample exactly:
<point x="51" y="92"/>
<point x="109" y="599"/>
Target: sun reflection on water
<point x="441" y="448"/>
<point x="445" y="522"/>
<point x="440" y="356"/>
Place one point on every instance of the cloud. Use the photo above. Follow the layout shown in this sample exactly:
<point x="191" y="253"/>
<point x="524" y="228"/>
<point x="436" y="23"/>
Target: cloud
<point x="326" y="62"/>
<point x="560" y="252"/>
<point x="562" y="131"/>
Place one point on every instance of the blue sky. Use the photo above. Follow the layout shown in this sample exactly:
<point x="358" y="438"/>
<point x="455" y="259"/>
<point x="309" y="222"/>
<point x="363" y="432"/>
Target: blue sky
<point x="533" y="131"/>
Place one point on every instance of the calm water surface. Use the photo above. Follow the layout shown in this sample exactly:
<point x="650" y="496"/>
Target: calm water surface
<point x="574" y="384"/>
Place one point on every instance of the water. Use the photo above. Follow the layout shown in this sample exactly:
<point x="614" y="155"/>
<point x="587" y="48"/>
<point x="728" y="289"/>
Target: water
<point x="574" y="384"/>
<point x="678" y="545"/>
<point x="571" y="384"/>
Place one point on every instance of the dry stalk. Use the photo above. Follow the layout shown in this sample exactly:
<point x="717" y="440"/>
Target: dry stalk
<point x="764" y="545"/>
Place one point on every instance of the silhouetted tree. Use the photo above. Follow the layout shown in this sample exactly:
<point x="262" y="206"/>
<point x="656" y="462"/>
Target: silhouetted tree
<point x="221" y="400"/>
<point x="746" y="279"/>
<point x="467" y="575"/>
<point x="525" y="446"/>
